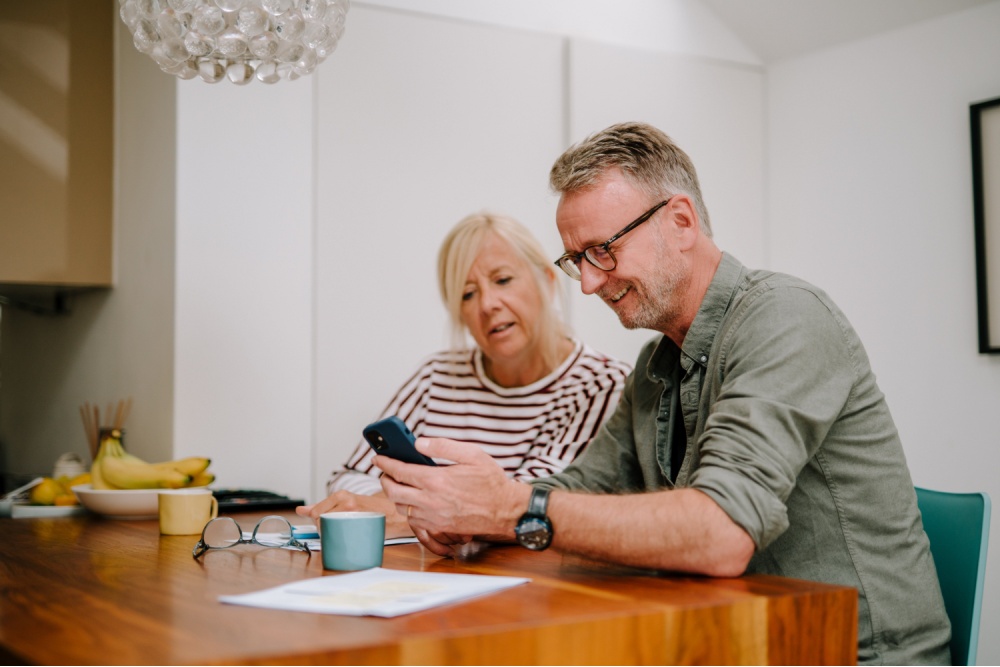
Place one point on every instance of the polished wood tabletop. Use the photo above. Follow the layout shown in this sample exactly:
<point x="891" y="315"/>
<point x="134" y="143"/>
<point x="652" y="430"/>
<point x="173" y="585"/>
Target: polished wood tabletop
<point x="87" y="590"/>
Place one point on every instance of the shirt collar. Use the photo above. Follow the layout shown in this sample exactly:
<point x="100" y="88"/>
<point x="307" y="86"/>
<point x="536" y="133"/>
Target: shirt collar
<point x="699" y="338"/>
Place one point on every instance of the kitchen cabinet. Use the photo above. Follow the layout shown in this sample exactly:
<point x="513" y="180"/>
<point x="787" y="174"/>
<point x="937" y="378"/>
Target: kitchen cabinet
<point x="56" y="146"/>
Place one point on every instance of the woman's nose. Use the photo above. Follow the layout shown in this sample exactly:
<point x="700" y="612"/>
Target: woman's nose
<point x="489" y="300"/>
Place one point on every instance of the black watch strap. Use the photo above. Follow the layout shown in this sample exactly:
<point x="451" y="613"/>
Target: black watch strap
<point x="539" y="502"/>
<point x="534" y="529"/>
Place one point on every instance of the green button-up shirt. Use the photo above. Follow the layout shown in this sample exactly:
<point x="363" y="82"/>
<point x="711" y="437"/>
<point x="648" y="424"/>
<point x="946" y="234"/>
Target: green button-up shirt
<point x="791" y="436"/>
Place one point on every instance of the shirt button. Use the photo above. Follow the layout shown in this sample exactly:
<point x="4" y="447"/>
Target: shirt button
<point x="704" y="358"/>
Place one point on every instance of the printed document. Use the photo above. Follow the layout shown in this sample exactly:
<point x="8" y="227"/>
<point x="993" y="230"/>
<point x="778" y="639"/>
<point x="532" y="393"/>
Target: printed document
<point x="375" y="592"/>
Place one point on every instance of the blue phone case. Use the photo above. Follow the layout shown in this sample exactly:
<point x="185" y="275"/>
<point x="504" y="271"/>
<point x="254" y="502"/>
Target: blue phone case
<point x="305" y="532"/>
<point x="391" y="437"/>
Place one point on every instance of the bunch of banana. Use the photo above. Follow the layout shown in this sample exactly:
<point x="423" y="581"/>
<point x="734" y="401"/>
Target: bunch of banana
<point x="114" y="468"/>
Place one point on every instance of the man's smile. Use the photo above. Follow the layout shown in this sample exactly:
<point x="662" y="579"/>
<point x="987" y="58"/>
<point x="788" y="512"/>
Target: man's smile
<point x="615" y="298"/>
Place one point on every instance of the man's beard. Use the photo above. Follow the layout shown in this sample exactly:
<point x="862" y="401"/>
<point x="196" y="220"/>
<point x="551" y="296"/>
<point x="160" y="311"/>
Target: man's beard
<point x="655" y="308"/>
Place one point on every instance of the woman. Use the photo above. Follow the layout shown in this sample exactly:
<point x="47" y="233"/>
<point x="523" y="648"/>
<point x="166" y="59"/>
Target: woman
<point x="527" y="393"/>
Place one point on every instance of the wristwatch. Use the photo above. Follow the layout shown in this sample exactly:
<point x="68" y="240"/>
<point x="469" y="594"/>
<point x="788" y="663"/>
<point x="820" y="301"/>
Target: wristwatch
<point x="534" y="529"/>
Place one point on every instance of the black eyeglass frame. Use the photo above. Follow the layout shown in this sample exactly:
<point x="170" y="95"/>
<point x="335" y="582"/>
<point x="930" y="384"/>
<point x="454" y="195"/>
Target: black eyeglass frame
<point x="202" y="547"/>
<point x="570" y="261"/>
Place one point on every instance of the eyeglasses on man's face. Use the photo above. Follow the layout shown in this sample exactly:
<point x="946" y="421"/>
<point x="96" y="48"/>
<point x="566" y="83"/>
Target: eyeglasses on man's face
<point x="223" y="532"/>
<point x="600" y="255"/>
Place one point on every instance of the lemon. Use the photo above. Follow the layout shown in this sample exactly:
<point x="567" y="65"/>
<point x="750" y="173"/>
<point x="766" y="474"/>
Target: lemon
<point x="45" y="492"/>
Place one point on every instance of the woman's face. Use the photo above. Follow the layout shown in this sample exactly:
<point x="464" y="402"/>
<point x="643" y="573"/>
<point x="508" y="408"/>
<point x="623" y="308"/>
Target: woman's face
<point x="501" y="304"/>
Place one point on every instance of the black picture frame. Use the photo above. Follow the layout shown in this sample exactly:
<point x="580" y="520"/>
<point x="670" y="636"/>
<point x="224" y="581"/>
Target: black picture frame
<point x="984" y="123"/>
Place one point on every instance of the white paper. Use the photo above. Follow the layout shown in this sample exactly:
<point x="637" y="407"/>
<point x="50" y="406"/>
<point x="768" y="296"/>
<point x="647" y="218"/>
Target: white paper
<point x="401" y="540"/>
<point x="375" y="592"/>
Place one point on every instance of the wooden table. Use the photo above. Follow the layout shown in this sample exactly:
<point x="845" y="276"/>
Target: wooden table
<point x="86" y="590"/>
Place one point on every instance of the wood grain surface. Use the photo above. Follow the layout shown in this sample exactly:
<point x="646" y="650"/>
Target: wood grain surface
<point x="86" y="590"/>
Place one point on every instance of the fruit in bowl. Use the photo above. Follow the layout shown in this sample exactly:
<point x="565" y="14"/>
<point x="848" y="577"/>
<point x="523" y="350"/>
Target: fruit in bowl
<point x="114" y="468"/>
<point x="123" y="486"/>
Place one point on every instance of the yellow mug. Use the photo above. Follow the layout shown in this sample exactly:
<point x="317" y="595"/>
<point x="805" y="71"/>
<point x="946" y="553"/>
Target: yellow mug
<point x="186" y="511"/>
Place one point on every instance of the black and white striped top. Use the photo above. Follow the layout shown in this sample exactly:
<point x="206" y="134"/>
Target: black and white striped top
<point x="532" y="431"/>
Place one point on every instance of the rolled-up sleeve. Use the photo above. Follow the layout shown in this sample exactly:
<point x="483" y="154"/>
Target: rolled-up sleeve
<point x="783" y="371"/>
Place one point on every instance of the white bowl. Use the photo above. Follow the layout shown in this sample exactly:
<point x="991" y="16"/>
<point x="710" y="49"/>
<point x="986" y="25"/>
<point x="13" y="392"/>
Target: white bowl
<point x="120" y="503"/>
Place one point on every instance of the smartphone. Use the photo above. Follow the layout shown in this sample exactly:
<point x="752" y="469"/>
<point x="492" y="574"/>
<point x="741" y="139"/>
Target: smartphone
<point x="391" y="437"/>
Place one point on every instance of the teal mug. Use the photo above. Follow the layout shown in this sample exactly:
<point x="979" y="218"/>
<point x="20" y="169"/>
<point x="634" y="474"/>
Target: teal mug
<point x="352" y="540"/>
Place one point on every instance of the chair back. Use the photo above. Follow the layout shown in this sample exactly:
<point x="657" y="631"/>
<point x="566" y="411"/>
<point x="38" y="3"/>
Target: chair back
<point x="958" y="526"/>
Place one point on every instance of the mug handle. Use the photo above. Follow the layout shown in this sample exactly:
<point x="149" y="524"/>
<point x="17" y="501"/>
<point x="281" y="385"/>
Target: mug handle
<point x="215" y="507"/>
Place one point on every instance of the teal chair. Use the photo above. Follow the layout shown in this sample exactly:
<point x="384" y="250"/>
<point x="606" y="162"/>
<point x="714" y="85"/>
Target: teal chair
<point x="958" y="526"/>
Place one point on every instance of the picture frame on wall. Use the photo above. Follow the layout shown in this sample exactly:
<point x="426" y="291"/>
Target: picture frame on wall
<point x="984" y="122"/>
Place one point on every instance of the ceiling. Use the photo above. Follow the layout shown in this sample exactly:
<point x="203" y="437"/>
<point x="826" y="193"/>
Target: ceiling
<point x="778" y="29"/>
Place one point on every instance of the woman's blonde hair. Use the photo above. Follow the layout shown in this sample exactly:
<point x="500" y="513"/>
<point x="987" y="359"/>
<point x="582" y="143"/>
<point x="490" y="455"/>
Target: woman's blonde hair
<point x="459" y="251"/>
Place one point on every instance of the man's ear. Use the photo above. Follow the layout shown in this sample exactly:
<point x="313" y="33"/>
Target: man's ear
<point x="687" y="226"/>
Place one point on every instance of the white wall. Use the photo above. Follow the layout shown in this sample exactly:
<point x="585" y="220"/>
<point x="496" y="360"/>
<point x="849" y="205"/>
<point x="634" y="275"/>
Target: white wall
<point x="421" y="122"/>
<point x="870" y="197"/>
<point x="244" y="282"/>
<point x="668" y="26"/>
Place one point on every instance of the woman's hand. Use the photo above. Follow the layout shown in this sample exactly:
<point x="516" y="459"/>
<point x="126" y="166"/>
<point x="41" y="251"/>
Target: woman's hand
<point x="345" y="501"/>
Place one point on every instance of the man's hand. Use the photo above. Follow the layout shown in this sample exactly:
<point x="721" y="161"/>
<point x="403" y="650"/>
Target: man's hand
<point x="345" y="501"/>
<point x="449" y="504"/>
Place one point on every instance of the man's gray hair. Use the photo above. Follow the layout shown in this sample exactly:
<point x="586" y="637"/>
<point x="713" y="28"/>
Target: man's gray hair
<point x="645" y="156"/>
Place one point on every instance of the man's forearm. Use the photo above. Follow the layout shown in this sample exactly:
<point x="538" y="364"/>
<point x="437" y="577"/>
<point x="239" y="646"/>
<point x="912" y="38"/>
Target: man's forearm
<point x="682" y="530"/>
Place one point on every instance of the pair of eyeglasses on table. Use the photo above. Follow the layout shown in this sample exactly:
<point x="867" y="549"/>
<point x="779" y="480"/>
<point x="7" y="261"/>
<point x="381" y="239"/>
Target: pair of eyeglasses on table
<point x="224" y="533"/>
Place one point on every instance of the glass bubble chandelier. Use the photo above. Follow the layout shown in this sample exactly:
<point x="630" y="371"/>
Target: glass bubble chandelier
<point x="239" y="40"/>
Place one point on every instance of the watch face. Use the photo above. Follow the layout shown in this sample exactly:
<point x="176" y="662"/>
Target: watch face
<point x="534" y="532"/>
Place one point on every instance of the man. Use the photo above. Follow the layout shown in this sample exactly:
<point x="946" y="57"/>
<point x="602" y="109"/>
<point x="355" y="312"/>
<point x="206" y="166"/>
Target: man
<point x="751" y="436"/>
